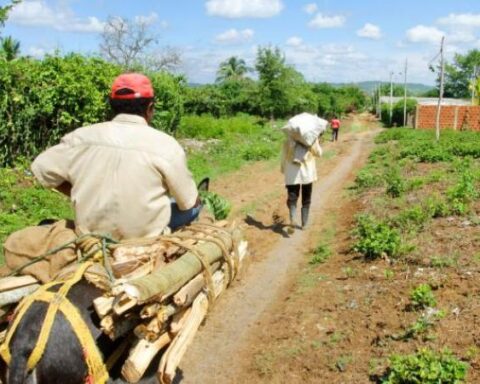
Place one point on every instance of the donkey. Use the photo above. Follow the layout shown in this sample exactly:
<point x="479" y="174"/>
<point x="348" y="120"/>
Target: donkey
<point x="63" y="360"/>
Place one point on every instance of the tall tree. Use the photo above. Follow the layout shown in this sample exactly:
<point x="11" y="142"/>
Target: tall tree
<point x="233" y="68"/>
<point x="459" y="74"/>
<point x="270" y="65"/>
<point x="10" y="48"/>
<point x="132" y="43"/>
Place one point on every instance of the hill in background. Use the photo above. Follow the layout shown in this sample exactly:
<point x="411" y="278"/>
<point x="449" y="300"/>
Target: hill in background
<point x="369" y="86"/>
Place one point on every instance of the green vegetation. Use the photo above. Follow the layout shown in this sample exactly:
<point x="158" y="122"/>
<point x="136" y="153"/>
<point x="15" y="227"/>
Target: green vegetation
<point x="242" y="139"/>
<point x="422" y="297"/>
<point x="395" y="183"/>
<point x="375" y="239"/>
<point x="458" y="74"/>
<point x="426" y="367"/>
<point x="23" y="202"/>
<point x="320" y="254"/>
<point x="397" y="112"/>
<point x="219" y="206"/>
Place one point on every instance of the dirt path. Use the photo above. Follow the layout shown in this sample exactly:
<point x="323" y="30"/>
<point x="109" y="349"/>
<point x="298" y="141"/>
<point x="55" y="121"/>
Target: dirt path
<point x="276" y="257"/>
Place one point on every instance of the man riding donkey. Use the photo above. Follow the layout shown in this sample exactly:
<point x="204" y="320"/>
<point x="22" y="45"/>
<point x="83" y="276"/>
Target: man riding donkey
<point x="124" y="178"/>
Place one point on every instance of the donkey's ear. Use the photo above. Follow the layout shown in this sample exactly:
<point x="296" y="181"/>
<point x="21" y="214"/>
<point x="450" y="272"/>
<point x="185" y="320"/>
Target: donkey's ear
<point x="204" y="184"/>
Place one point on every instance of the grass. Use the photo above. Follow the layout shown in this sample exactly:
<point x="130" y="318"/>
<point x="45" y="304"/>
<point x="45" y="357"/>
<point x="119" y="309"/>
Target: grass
<point x="24" y="202"/>
<point x="242" y="139"/>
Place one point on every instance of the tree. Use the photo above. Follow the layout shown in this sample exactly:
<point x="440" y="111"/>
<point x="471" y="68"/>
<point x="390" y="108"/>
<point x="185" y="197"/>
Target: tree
<point x="10" y="48"/>
<point x="233" y="68"/>
<point x="4" y="10"/>
<point x="270" y="65"/>
<point x="131" y="44"/>
<point x="459" y="74"/>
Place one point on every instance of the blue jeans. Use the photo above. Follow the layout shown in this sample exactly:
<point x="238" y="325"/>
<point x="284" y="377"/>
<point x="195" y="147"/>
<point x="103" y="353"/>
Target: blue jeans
<point x="180" y="218"/>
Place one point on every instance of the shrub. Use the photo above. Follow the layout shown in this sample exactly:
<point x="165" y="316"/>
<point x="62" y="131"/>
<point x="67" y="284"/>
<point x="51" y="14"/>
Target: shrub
<point x="411" y="218"/>
<point x="426" y="367"/>
<point x="464" y="192"/>
<point x="395" y="183"/>
<point x="375" y="239"/>
<point x="366" y="179"/>
<point x="320" y="254"/>
<point x="422" y="297"/>
<point x="437" y="207"/>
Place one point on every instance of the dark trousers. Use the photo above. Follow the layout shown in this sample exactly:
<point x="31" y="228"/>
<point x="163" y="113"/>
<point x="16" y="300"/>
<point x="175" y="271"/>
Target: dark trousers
<point x="334" y="134"/>
<point x="294" y="193"/>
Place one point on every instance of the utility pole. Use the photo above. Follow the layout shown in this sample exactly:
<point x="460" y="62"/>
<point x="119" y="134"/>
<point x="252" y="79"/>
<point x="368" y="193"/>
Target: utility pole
<point x="380" y="101"/>
<point x="405" y="94"/>
<point x="391" y="97"/>
<point x="440" y="96"/>
<point x="473" y="83"/>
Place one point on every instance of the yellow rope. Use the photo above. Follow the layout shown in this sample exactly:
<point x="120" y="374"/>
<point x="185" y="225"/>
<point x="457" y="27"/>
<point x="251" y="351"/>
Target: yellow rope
<point x="206" y="268"/>
<point x="58" y="301"/>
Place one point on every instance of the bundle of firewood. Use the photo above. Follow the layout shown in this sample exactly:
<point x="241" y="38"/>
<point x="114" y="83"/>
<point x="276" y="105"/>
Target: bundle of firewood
<point x="165" y="291"/>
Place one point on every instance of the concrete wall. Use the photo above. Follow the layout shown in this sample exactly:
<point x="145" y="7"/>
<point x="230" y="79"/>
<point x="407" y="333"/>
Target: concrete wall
<point x="451" y="116"/>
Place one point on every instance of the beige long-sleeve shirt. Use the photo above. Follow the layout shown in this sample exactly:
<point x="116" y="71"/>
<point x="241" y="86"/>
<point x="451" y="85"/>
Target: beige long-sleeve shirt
<point x="304" y="172"/>
<point x="122" y="173"/>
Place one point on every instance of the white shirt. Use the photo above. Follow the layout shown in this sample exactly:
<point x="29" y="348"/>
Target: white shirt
<point x="122" y="173"/>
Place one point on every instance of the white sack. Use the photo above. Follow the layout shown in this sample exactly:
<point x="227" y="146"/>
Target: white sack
<point x="305" y="128"/>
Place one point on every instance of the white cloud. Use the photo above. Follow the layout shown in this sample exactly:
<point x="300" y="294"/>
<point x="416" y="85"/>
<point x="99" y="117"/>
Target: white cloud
<point x="423" y="34"/>
<point x="37" y="13"/>
<point x="234" y="9"/>
<point x="470" y="20"/>
<point x="370" y="31"/>
<point x="324" y="21"/>
<point x="294" y="41"/>
<point x="147" y="20"/>
<point x="461" y="36"/>
<point x="38" y="52"/>
<point x="310" y="8"/>
<point x="233" y="36"/>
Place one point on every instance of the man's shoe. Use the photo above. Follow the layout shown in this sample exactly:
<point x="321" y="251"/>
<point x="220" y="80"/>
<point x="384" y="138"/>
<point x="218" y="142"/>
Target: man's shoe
<point x="305" y="211"/>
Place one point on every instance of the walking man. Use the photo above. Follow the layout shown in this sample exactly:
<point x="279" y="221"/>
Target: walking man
<point x="299" y="178"/>
<point x="335" y="124"/>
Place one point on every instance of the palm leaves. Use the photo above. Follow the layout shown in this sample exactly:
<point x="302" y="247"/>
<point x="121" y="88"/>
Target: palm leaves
<point x="233" y="68"/>
<point x="10" y="48"/>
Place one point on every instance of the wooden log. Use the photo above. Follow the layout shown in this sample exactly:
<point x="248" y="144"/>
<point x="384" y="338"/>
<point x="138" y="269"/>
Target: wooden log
<point x="115" y="327"/>
<point x="13" y="282"/>
<point x="5" y="311"/>
<point x="123" y="303"/>
<point x="103" y="306"/>
<point x="178" y="320"/>
<point x="15" y="295"/>
<point x="189" y="291"/>
<point x="168" y="280"/>
<point x="174" y="353"/>
<point x="165" y="312"/>
<point x="140" y="357"/>
<point x="150" y="310"/>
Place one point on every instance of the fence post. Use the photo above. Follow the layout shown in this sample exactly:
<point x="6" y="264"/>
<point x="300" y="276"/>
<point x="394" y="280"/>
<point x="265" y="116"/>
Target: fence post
<point x="417" y="113"/>
<point x="455" y="119"/>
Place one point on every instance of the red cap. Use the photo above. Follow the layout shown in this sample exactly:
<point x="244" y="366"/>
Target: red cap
<point x="139" y="86"/>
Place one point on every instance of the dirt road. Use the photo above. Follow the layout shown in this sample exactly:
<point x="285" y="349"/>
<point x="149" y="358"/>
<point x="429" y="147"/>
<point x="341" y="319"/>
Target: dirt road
<point x="219" y="349"/>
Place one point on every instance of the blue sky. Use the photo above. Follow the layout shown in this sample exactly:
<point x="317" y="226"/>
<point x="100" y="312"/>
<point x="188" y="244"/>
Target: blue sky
<point x="334" y="41"/>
